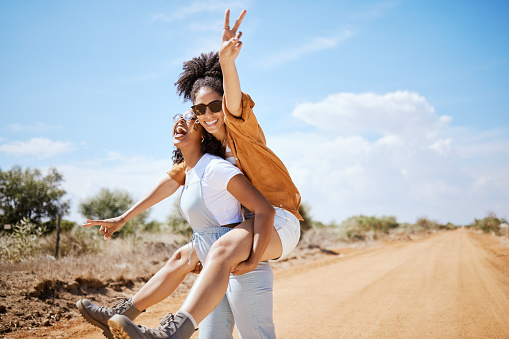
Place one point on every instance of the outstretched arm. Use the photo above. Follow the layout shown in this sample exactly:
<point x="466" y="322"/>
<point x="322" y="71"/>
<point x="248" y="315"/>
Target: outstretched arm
<point x="161" y="191"/>
<point x="228" y="52"/>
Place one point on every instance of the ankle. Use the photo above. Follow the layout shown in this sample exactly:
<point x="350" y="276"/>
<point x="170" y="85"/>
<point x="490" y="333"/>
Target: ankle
<point x="136" y="305"/>
<point x="131" y="312"/>
<point x="190" y="317"/>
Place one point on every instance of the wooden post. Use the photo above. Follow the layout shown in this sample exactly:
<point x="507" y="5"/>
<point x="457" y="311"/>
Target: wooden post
<point x="58" y="237"/>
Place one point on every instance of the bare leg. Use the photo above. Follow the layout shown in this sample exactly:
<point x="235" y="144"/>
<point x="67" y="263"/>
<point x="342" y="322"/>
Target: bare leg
<point x="167" y="279"/>
<point x="225" y="254"/>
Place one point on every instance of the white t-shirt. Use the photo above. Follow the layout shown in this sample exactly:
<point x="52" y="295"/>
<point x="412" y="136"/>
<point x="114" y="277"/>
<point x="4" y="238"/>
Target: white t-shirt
<point x="229" y="156"/>
<point x="216" y="175"/>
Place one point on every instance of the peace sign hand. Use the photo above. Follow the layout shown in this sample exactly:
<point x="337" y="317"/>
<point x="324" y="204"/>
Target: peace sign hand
<point x="230" y="43"/>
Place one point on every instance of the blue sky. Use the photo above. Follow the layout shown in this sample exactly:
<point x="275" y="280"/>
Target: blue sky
<point x="376" y="107"/>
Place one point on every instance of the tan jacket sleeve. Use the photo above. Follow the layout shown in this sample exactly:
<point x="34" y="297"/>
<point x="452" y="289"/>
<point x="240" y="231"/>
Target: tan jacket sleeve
<point x="178" y="173"/>
<point x="247" y="124"/>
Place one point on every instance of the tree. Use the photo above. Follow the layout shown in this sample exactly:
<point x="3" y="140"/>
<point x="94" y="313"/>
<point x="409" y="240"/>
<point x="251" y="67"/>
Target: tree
<point x="110" y="204"/>
<point x="177" y="222"/>
<point x="305" y="224"/>
<point x="27" y="194"/>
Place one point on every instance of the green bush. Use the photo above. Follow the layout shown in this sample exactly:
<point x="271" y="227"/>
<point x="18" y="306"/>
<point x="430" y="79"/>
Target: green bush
<point x="307" y="223"/>
<point x="110" y="204"/>
<point x="22" y="242"/>
<point x="426" y="224"/>
<point x="490" y="224"/>
<point x="367" y="228"/>
<point x="65" y="225"/>
<point x="154" y="226"/>
<point x="177" y="223"/>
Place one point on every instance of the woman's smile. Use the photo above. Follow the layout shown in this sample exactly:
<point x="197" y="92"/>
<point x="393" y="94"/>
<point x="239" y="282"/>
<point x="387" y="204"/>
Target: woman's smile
<point x="180" y="130"/>
<point x="211" y="122"/>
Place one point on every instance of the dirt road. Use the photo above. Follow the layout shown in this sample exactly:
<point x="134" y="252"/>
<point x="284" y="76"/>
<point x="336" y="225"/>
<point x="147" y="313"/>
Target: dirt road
<point x="448" y="285"/>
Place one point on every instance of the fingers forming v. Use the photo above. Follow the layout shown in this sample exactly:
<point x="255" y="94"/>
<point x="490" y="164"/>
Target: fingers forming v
<point x="237" y="23"/>
<point x="227" y="19"/>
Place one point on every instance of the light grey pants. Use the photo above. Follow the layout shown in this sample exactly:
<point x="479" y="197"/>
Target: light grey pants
<point x="248" y="302"/>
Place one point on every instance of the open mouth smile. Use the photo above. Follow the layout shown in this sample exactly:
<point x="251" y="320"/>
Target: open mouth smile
<point x="179" y="131"/>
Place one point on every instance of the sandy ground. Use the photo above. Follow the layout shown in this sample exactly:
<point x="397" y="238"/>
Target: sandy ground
<point x="449" y="285"/>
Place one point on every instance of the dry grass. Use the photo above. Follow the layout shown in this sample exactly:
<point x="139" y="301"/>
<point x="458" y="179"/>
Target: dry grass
<point x="106" y="260"/>
<point x="33" y="289"/>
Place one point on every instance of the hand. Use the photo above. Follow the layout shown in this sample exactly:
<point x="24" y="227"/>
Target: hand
<point x="108" y="226"/>
<point x="230" y="44"/>
<point x="245" y="267"/>
<point x="198" y="268"/>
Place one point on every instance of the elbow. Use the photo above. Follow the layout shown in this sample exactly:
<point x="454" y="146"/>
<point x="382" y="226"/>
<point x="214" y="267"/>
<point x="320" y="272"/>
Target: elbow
<point x="265" y="212"/>
<point x="270" y="211"/>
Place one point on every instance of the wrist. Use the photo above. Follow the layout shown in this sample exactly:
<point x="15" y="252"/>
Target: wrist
<point x="124" y="218"/>
<point x="253" y="260"/>
<point x="226" y="62"/>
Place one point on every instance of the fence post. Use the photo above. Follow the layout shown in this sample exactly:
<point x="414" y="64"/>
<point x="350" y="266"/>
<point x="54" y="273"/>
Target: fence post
<point x="58" y="237"/>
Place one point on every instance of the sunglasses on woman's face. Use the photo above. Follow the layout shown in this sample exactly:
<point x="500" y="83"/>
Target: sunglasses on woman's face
<point x="187" y="116"/>
<point x="214" y="106"/>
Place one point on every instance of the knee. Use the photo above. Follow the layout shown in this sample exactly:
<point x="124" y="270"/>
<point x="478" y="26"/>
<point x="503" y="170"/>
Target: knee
<point x="223" y="253"/>
<point x="220" y="252"/>
<point x="180" y="261"/>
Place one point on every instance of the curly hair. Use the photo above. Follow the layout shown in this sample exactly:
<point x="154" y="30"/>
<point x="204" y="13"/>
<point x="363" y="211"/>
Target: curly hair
<point x="209" y="145"/>
<point x="202" y="71"/>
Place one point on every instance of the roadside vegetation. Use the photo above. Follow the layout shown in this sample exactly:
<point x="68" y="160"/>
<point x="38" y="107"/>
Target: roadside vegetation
<point x="31" y="201"/>
<point x="52" y="264"/>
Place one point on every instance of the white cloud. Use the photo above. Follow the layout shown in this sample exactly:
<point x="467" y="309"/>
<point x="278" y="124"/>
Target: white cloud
<point x="416" y="165"/>
<point x="38" y="147"/>
<point x="198" y="7"/>
<point x="396" y="113"/>
<point x="37" y="127"/>
<point x="315" y="45"/>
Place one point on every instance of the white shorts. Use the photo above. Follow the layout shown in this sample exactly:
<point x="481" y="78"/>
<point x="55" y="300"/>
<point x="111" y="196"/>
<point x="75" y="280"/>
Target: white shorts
<point x="288" y="227"/>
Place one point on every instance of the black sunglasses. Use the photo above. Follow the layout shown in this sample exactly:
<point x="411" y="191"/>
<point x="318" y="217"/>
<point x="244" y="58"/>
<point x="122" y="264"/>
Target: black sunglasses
<point x="214" y="106"/>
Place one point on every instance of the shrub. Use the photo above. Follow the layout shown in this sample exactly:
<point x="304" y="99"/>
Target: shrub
<point x="367" y="228"/>
<point x="110" y="204"/>
<point x="307" y="223"/>
<point x="177" y="223"/>
<point x="22" y="242"/>
<point x="426" y="224"/>
<point x="75" y="242"/>
<point x="490" y="224"/>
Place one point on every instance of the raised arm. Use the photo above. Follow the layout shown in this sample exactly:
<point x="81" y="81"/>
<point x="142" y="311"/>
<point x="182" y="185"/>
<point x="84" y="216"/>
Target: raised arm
<point x="228" y="52"/>
<point x="165" y="188"/>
